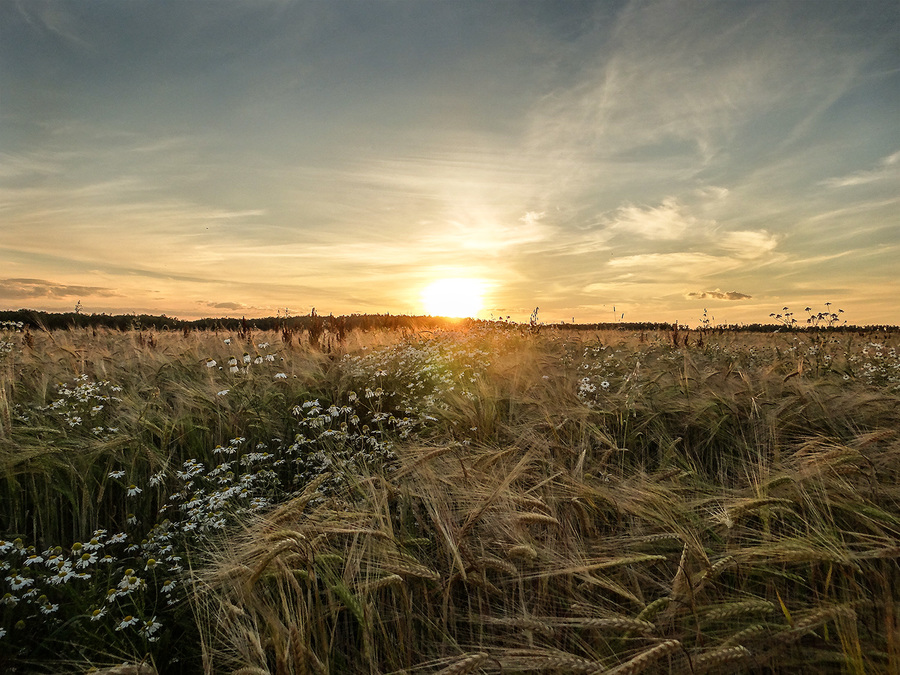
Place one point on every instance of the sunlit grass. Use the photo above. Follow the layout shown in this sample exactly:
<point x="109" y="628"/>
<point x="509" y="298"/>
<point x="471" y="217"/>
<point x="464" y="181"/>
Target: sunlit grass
<point x="495" y="499"/>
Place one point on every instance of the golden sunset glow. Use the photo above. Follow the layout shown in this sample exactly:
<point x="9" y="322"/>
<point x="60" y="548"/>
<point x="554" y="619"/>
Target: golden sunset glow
<point x="581" y="156"/>
<point x="453" y="297"/>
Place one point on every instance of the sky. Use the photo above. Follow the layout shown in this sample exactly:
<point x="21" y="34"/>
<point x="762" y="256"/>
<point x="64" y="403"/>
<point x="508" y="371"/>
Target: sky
<point x="606" y="160"/>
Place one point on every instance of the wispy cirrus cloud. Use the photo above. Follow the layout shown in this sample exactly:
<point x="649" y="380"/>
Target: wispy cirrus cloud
<point x="748" y="244"/>
<point x="55" y="19"/>
<point x="673" y="266"/>
<point x="887" y="169"/>
<point x="666" y="222"/>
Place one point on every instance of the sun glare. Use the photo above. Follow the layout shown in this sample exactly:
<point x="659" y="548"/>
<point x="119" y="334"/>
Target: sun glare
<point x="453" y="297"/>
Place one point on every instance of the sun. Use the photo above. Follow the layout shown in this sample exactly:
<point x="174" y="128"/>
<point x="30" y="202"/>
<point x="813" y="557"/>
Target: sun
<point x="453" y="297"/>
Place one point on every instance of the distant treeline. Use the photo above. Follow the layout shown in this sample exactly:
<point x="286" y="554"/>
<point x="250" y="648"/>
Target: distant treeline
<point x="340" y="325"/>
<point x="38" y="320"/>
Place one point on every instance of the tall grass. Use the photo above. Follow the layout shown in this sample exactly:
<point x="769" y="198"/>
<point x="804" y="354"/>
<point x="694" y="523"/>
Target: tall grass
<point x="496" y="500"/>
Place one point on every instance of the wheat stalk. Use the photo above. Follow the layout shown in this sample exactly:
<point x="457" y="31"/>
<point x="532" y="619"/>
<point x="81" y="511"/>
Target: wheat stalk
<point x="643" y="660"/>
<point x="466" y="664"/>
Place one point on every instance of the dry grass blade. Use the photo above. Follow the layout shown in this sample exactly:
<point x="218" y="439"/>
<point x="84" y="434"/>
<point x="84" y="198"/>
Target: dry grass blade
<point x="501" y="487"/>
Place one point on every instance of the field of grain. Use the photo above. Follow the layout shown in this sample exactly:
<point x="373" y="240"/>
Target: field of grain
<point x="494" y="499"/>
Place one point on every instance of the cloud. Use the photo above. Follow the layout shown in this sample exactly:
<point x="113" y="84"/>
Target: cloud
<point x="712" y="192"/>
<point x="888" y="167"/>
<point x="718" y="295"/>
<point x="234" y="306"/>
<point x="14" y="289"/>
<point x="748" y="244"/>
<point x="531" y="218"/>
<point x="50" y="17"/>
<point x="226" y="305"/>
<point x="16" y="166"/>
<point x="671" y="266"/>
<point x="684" y="73"/>
<point x="664" y="222"/>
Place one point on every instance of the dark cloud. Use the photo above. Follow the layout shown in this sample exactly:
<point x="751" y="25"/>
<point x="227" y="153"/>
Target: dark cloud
<point x="16" y="289"/>
<point x="718" y="295"/>
<point x="226" y="305"/>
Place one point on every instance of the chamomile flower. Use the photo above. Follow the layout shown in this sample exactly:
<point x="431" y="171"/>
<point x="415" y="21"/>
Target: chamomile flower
<point x="16" y="582"/>
<point x="133" y="490"/>
<point x="98" y="614"/>
<point x="94" y="544"/>
<point x="116" y="474"/>
<point x="62" y="576"/>
<point x="127" y="621"/>
<point x="86" y="560"/>
<point x="149" y="628"/>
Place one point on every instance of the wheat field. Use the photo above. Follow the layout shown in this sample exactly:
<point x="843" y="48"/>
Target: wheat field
<point x="495" y="498"/>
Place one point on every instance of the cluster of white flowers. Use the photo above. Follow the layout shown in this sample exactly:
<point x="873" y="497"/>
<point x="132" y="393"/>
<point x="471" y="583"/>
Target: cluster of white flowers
<point x="417" y="377"/>
<point x="877" y="364"/>
<point x="6" y="344"/>
<point x="242" y="364"/>
<point x="42" y="579"/>
<point x="85" y="400"/>
<point x="598" y="367"/>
